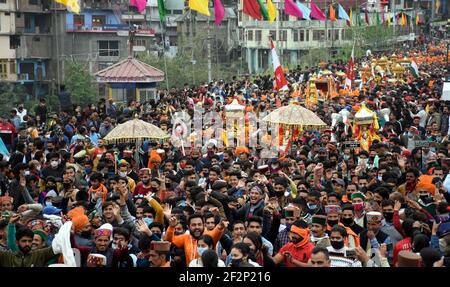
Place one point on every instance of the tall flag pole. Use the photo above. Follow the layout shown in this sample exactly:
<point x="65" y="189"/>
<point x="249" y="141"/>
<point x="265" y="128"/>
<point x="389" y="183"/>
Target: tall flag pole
<point x="350" y="70"/>
<point x="280" y="82"/>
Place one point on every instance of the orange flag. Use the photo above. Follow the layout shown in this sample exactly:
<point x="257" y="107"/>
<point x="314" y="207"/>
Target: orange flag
<point x="332" y="13"/>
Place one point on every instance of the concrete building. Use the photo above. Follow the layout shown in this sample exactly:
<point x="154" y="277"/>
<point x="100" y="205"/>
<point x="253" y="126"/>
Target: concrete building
<point x="293" y="37"/>
<point x="7" y="43"/>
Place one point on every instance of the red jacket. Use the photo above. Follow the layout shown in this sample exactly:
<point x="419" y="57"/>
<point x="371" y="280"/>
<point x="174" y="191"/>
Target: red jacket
<point x="404" y="244"/>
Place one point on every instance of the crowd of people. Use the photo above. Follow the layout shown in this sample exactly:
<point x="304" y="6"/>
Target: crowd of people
<point x="319" y="204"/>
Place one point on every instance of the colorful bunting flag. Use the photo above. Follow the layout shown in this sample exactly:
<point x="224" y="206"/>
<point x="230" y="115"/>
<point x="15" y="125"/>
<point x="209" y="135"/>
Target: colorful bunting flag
<point x="350" y="21"/>
<point x="332" y="13"/>
<point x="139" y="4"/>
<point x="272" y="11"/>
<point x="305" y="10"/>
<point x="342" y="14"/>
<point x="201" y="6"/>
<point x="72" y="5"/>
<point x="316" y="13"/>
<point x="161" y="10"/>
<point x="219" y="12"/>
<point x="280" y="82"/>
<point x="291" y="9"/>
<point x="366" y="15"/>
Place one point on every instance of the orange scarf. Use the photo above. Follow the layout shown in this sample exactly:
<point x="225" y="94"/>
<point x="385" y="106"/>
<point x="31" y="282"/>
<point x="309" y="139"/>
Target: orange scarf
<point x="303" y="232"/>
<point x="101" y="188"/>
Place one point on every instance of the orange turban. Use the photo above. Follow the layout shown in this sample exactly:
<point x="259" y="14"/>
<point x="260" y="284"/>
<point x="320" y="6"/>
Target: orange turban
<point x="77" y="211"/>
<point x="154" y="156"/>
<point x="242" y="149"/>
<point x="424" y="186"/>
<point x="79" y="222"/>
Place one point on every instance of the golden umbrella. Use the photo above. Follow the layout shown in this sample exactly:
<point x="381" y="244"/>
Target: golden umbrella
<point x="296" y="116"/>
<point x="135" y="131"/>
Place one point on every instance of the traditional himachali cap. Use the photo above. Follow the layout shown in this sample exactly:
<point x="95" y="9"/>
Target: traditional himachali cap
<point x="332" y="209"/>
<point x="408" y="259"/>
<point x="104" y="230"/>
<point x="320" y="219"/>
<point x="374" y="216"/>
<point x="161" y="246"/>
<point x="358" y="195"/>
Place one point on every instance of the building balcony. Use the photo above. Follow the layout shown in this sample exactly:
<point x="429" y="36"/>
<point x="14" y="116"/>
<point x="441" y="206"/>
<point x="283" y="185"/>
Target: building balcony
<point x="108" y="28"/>
<point x="38" y="6"/>
<point x="106" y="4"/>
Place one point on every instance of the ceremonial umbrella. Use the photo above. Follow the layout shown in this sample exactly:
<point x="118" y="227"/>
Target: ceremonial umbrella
<point x="135" y="131"/>
<point x="295" y="116"/>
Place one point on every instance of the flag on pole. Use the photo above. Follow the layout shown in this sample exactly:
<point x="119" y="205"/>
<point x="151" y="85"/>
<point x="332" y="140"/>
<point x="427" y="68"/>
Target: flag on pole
<point x="332" y="13"/>
<point x="280" y="82"/>
<point x="378" y="19"/>
<point x="403" y="23"/>
<point x="316" y="13"/>
<point x="291" y="9"/>
<point x="161" y="10"/>
<point x="389" y="20"/>
<point x="367" y="17"/>
<point x="201" y="6"/>
<point x="342" y="14"/>
<point x="73" y="5"/>
<point x="350" y="71"/>
<point x="417" y="19"/>
<point x="414" y="68"/>
<point x="219" y="12"/>
<point x="305" y="10"/>
<point x="350" y="21"/>
<point x="272" y="11"/>
<point x="251" y="8"/>
<point x="263" y="9"/>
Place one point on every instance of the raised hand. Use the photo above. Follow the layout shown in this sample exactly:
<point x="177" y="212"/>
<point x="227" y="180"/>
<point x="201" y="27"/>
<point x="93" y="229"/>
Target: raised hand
<point x="173" y="221"/>
<point x="167" y="210"/>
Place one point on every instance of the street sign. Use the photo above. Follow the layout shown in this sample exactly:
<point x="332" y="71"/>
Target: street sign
<point x="139" y="48"/>
<point x="122" y="33"/>
<point x="419" y="143"/>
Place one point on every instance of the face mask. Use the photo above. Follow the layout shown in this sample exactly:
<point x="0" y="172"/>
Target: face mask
<point x="114" y="246"/>
<point x="201" y="250"/>
<point x="410" y="135"/>
<point x="48" y="203"/>
<point x="236" y="262"/>
<point x="85" y="234"/>
<point x="347" y="221"/>
<point x="54" y="163"/>
<point x="346" y="157"/>
<point x="27" y="173"/>
<point x="358" y="206"/>
<point x="388" y="216"/>
<point x="148" y="220"/>
<point x="145" y="181"/>
<point x="333" y="222"/>
<point x="154" y="189"/>
<point x="423" y="197"/>
<point x="122" y="174"/>
<point x="88" y="170"/>
<point x="67" y="185"/>
<point x="380" y="178"/>
<point x="312" y="206"/>
<point x="337" y="244"/>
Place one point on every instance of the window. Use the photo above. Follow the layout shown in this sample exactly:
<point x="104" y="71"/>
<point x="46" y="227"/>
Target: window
<point x="258" y="35"/>
<point x="12" y="67"/>
<point x="98" y="20"/>
<point x="273" y="33"/>
<point x="32" y="2"/>
<point x="108" y="48"/>
<point x="283" y="35"/>
<point x="241" y="35"/>
<point x="2" y="1"/>
<point x="318" y="35"/>
<point x="302" y="35"/>
<point x="141" y="42"/>
<point x="283" y="16"/>
<point x="177" y="12"/>
<point x="398" y="2"/>
<point x="329" y="34"/>
<point x="78" y="20"/>
<point x="295" y="36"/>
<point x="336" y="35"/>
<point x="3" y="69"/>
<point x="307" y="35"/>
<point x="250" y="35"/>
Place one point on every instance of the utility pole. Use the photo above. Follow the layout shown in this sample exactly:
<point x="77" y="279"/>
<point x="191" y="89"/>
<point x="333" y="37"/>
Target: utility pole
<point x="209" y="54"/>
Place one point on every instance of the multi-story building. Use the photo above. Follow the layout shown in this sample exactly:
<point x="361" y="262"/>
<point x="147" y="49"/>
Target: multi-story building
<point x="8" y="41"/>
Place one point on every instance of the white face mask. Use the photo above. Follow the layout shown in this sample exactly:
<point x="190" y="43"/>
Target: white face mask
<point x="27" y="173"/>
<point x="54" y="163"/>
<point x="123" y="174"/>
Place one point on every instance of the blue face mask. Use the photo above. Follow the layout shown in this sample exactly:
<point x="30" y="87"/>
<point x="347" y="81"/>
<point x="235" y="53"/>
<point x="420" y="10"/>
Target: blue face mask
<point x="88" y="170"/>
<point x="312" y="206"/>
<point x="143" y="262"/>
<point x="147" y="220"/>
<point x="201" y="250"/>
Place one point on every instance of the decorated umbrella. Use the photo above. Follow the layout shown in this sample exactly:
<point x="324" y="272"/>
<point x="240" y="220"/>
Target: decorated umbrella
<point x="135" y="131"/>
<point x="293" y="118"/>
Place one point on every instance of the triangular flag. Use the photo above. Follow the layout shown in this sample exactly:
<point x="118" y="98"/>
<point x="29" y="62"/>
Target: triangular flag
<point x="252" y="8"/>
<point x="342" y="14"/>
<point x="305" y="10"/>
<point x="280" y="82"/>
<point x="403" y="23"/>
<point x="161" y="10"/>
<point x="74" y="5"/>
<point x="219" y="12"/>
<point x="201" y="6"/>
<point x="389" y="20"/>
<point x="316" y="13"/>
<point x="272" y="11"/>
<point x="417" y="19"/>
<point x="291" y="9"/>
<point x="332" y="13"/>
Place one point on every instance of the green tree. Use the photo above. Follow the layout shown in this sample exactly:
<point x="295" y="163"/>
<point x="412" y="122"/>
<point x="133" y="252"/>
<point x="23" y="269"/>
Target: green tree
<point x="10" y="93"/>
<point x="80" y="83"/>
